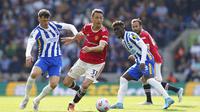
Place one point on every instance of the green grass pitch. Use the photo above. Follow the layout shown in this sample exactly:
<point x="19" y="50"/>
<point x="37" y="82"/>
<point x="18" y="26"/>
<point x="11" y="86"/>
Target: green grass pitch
<point x="87" y="104"/>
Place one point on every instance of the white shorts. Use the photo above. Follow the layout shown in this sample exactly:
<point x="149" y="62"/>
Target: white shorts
<point x="90" y="71"/>
<point x="157" y="72"/>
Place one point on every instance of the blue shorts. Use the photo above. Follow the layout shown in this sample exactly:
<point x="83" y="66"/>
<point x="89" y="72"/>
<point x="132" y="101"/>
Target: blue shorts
<point x="135" y="72"/>
<point x="52" y="65"/>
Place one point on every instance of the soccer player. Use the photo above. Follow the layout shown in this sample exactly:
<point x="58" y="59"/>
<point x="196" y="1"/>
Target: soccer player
<point x="92" y="56"/>
<point x="46" y="36"/>
<point x="149" y="41"/>
<point x="143" y="67"/>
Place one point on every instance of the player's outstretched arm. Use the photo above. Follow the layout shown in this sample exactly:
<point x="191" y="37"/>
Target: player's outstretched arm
<point x="65" y="26"/>
<point x="68" y="40"/>
<point x="98" y="48"/>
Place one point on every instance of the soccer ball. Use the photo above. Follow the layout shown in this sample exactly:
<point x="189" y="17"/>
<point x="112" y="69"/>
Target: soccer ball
<point x="102" y="105"/>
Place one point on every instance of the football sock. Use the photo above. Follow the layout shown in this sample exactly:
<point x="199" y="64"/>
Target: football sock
<point x="122" y="89"/>
<point x="157" y="85"/>
<point x="28" y="87"/>
<point x="147" y="90"/>
<point x="46" y="90"/>
<point x="167" y="86"/>
<point x="78" y="96"/>
<point x="74" y="86"/>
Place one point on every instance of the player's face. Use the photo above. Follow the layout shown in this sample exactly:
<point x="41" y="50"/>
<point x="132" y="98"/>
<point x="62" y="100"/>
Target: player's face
<point x="119" y="31"/>
<point x="97" y="19"/>
<point x="43" y="21"/>
<point x="136" y="27"/>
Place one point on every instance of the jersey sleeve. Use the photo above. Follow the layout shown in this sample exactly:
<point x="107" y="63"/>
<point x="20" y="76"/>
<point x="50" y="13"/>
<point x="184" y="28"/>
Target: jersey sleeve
<point x="65" y="26"/>
<point x="105" y="35"/>
<point x="144" y="51"/>
<point x="83" y="30"/>
<point x="135" y="37"/>
<point x="35" y="35"/>
<point x="151" y="41"/>
<point x="141" y="44"/>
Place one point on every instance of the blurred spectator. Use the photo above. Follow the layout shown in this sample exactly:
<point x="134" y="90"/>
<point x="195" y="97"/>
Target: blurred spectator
<point x="179" y="57"/>
<point x="4" y="64"/>
<point x="15" y="65"/>
<point x="172" y="78"/>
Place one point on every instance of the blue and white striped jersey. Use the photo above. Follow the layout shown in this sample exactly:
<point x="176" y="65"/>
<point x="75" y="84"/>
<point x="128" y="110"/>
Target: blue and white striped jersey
<point x="135" y="45"/>
<point x="47" y="40"/>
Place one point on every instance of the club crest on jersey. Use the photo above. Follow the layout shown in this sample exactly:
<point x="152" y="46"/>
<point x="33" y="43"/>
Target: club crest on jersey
<point x="96" y="37"/>
<point x="135" y="37"/>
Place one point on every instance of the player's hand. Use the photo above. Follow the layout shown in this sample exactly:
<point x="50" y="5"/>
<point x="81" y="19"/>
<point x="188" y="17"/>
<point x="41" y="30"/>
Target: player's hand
<point x="131" y="58"/>
<point x="79" y="35"/>
<point x="67" y="40"/>
<point x="86" y="49"/>
<point x="29" y="61"/>
<point x="142" y="66"/>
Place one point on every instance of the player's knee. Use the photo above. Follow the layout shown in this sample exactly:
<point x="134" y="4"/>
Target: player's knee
<point x="34" y="75"/>
<point x="143" y="81"/>
<point x="53" y="85"/>
<point x="67" y="83"/>
<point x="122" y="78"/>
<point x="159" y="80"/>
<point x="85" y="86"/>
<point x="145" y="78"/>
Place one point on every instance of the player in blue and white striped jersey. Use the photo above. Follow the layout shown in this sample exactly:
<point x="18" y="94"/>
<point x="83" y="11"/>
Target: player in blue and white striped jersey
<point x="143" y="67"/>
<point x="46" y="36"/>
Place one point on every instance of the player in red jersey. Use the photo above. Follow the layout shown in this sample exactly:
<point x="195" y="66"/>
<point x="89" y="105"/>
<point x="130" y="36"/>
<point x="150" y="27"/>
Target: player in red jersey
<point x="92" y="56"/>
<point x="136" y="25"/>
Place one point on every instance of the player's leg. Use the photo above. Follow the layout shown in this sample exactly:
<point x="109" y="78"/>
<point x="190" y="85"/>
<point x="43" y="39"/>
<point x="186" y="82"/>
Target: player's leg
<point x="70" y="83"/>
<point x="123" y="87"/>
<point x="53" y="82"/>
<point x="147" y="87"/>
<point x="82" y="91"/>
<point x="147" y="91"/>
<point x="73" y="74"/>
<point x="36" y="71"/>
<point x="148" y="75"/>
<point x="166" y="85"/>
<point x="161" y="90"/>
<point x="130" y="74"/>
<point x="53" y="69"/>
<point x="91" y="74"/>
<point x="76" y="71"/>
<point x="179" y="91"/>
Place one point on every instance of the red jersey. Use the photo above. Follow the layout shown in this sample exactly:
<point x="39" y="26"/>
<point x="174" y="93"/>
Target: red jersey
<point x="147" y="38"/>
<point x="93" y="39"/>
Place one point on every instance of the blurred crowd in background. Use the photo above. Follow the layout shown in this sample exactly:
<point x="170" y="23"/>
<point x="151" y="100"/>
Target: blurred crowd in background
<point x="164" y="19"/>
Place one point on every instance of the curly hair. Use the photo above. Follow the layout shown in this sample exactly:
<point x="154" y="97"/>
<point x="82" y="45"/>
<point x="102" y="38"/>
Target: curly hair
<point x="116" y="23"/>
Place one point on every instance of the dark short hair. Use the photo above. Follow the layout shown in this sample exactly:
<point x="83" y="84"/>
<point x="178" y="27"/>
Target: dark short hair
<point x="97" y="11"/>
<point x="120" y="23"/>
<point x="136" y="20"/>
<point x="44" y="13"/>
